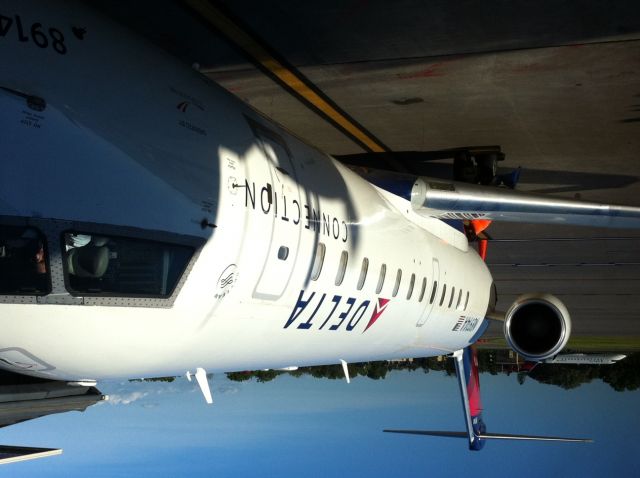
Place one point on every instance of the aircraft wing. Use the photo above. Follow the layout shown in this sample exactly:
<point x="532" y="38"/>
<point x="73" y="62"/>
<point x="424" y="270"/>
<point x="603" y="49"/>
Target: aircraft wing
<point x="455" y="200"/>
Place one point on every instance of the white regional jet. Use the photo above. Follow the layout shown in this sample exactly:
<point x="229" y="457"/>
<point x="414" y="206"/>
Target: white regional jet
<point x="152" y="224"/>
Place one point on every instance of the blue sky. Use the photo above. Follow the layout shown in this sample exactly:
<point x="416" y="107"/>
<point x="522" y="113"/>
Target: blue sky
<point x="311" y="427"/>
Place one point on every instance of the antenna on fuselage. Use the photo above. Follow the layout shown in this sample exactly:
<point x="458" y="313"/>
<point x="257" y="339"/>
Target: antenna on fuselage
<point x="203" y="383"/>
<point x="345" y="370"/>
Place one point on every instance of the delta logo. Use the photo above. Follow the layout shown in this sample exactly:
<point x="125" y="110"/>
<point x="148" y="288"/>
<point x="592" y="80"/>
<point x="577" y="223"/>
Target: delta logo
<point x="321" y="311"/>
<point x="184" y="106"/>
<point x="380" y="307"/>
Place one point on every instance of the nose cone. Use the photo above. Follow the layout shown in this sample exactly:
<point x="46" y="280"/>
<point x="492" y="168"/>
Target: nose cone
<point x="65" y="169"/>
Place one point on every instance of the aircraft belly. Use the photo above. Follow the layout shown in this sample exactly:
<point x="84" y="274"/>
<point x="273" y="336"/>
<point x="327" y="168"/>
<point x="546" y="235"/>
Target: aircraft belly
<point x="90" y="342"/>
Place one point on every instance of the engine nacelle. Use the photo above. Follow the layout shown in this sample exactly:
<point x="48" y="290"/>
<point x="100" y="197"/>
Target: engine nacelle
<point x="537" y="326"/>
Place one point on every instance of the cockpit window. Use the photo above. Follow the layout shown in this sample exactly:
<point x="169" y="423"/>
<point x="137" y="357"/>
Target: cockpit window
<point x="121" y="266"/>
<point x="24" y="266"/>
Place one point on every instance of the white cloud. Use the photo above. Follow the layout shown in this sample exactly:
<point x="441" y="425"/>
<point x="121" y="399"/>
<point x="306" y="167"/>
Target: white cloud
<point x="117" y="399"/>
<point x="227" y="389"/>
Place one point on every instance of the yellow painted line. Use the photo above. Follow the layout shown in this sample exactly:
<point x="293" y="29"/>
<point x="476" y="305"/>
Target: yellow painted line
<point x="217" y="19"/>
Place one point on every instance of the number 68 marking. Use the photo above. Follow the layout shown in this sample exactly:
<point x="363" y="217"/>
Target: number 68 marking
<point x="41" y="40"/>
<point x="38" y="36"/>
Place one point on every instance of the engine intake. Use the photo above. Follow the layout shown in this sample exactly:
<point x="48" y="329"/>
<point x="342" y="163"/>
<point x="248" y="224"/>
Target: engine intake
<point x="537" y="326"/>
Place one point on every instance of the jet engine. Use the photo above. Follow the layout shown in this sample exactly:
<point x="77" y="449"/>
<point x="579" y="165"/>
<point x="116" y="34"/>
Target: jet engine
<point x="537" y="326"/>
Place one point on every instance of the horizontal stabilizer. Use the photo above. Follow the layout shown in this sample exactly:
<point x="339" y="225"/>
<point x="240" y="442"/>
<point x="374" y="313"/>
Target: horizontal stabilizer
<point x="505" y="436"/>
<point x="430" y="433"/>
<point x="491" y="436"/>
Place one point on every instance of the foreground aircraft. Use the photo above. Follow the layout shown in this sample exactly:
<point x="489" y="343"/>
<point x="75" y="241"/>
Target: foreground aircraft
<point x="152" y="224"/>
<point x="24" y="398"/>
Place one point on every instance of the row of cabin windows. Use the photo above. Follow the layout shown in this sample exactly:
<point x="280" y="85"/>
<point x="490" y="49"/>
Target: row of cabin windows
<point x="453" y="299"/>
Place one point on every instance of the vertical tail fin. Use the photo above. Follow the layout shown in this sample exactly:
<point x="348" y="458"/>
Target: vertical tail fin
<point x="466" y="362"/>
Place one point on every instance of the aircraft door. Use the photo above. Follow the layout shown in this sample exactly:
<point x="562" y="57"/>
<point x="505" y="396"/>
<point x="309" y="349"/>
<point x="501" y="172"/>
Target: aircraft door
<point x="285" y="233"/>
<point x="432" y="293"/>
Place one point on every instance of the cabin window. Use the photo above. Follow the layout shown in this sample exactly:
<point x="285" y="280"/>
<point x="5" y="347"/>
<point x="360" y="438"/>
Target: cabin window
<point x="24" y="263"/>
<point x="283" y="253"/>
<point x="342" y="267"/>
<point x="466" y="301"/>
<point x="423" y="289"/>
<point x="412" y="282"/>
<point x="453" y="293"/>
<point x="396" y="287"/>
<point x="434" y="289"/>
<point x="444" y="293"/>
<point x="121" y="266"/>
<point x="383" y="272"/>
<point x="459" y="300"/>
<point x="363" y="273"/>
<point x="318" y="261"/>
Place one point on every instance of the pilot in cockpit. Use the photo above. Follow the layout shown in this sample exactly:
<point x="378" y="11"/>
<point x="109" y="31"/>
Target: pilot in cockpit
<point x="87" y="256"/>
<point x="23" y="261"/>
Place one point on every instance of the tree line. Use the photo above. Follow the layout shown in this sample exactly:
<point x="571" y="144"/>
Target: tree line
<point x="622" y="376"/>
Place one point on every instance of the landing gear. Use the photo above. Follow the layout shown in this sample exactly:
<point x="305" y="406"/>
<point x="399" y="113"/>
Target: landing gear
<point x="487" y="168"/>
<point x="471" y="164"/>
<point x="464" y="168"/>
<point x="477" y="165"/>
